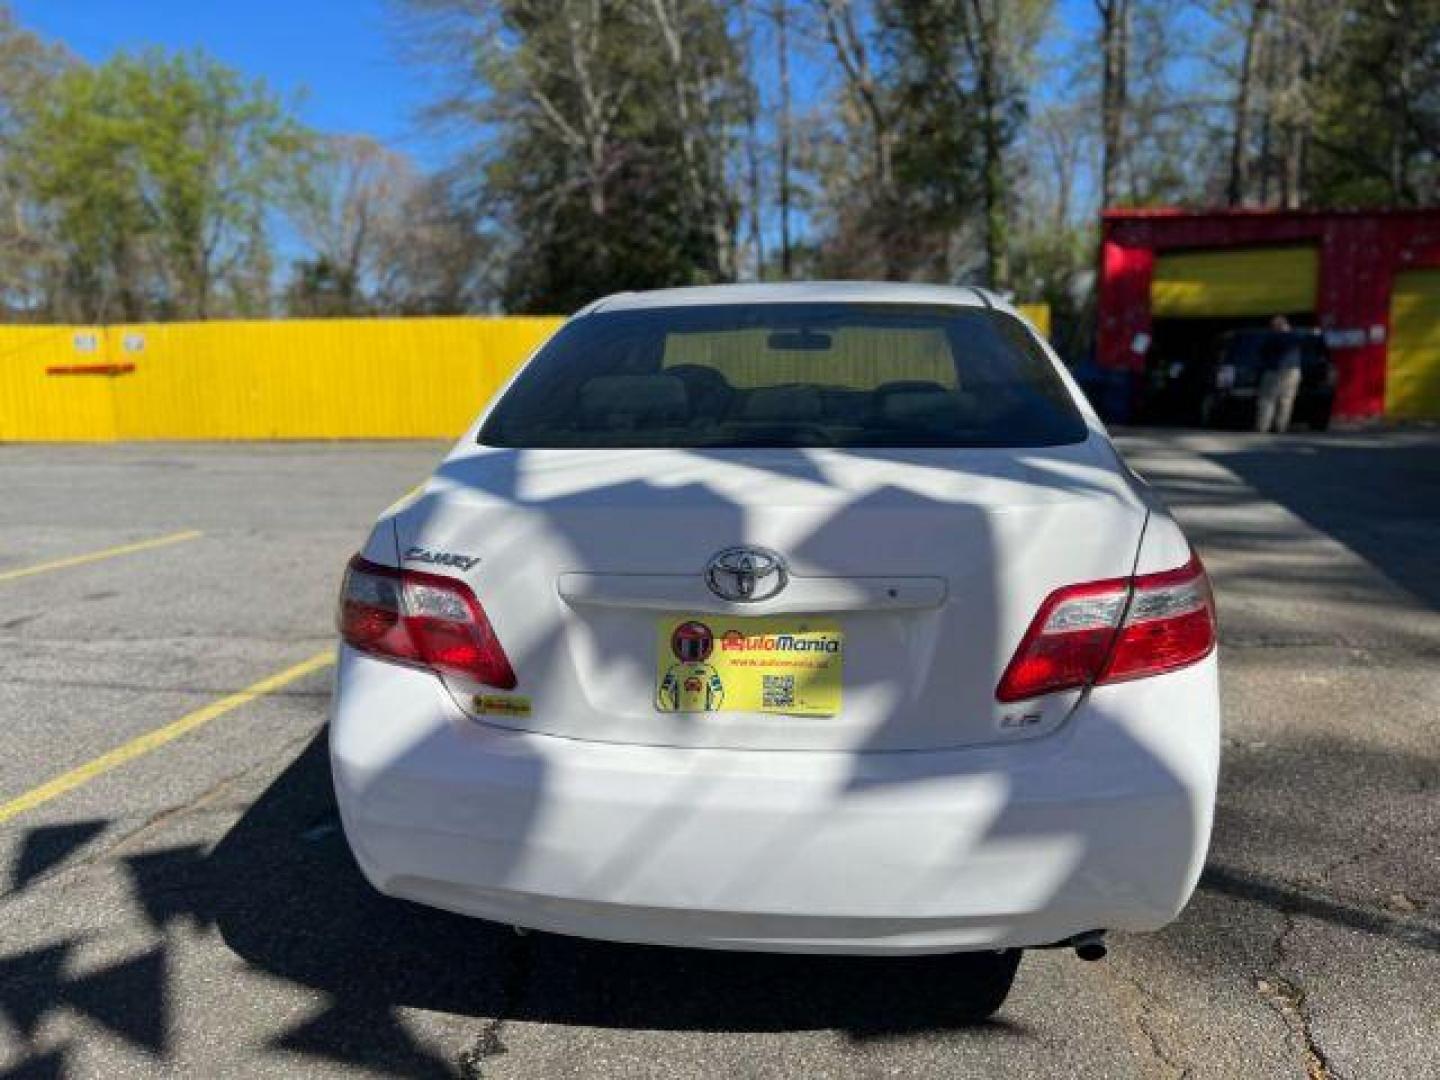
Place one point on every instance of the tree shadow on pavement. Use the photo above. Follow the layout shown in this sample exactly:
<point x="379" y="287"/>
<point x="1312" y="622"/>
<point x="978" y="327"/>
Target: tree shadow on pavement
<point x="1379" y="496"/>
<point x="47" y="846"/>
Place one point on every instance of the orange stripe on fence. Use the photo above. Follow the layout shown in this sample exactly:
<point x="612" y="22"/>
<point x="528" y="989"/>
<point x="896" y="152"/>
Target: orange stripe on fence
<point x="90" y="369"/>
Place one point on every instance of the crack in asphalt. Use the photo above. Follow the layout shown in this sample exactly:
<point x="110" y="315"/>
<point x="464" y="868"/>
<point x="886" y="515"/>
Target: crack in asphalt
<point x="1287" y="997"/>
<point x="488" y="1043"/>
<point x="1157" y="1047"/>
<point x="1139" y="1003"/>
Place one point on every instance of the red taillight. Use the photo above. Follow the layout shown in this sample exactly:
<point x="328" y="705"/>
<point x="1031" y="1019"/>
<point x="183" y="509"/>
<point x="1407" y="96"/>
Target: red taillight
<point x="1109" y="631"/>
<point x="1170" y="623"/>
<point x="423" y="619"/>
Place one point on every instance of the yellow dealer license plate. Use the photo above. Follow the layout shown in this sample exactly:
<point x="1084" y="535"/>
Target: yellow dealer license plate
<point x="772" y="664"/>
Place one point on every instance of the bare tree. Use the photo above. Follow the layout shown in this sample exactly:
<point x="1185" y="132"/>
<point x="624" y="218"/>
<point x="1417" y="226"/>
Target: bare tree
<point x="354" y="197"/>
<point x="868" y="234"/>
<point x="853" y="56"/>
<point x="436" y="257"/>
<point x="1060" y="145"/>
<point x="698" y="95"/>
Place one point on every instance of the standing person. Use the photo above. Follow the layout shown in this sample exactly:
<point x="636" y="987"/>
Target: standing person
<point x="1279" y="377"/>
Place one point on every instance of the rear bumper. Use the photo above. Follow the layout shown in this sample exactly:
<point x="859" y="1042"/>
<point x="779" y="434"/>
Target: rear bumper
<point x="1102" y="825"/>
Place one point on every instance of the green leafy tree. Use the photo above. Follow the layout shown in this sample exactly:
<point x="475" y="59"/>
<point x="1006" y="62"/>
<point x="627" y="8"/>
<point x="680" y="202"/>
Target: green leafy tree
<point x="1376" y="131"/>
<point x="160" y="172"/>
<point x="29" y="255"/>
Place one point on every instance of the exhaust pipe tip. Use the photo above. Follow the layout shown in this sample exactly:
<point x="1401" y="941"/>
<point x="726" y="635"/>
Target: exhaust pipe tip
<point x="1091" y="947"/>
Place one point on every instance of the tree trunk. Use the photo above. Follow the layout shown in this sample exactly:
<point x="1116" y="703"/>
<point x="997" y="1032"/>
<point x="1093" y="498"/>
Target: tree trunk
<point x="754" y="188"/>
<point x="693" y="167"/>
<point x="1293" y="178"/>
<point x="1239" y="184"/>
<point x="997" y="225"/>
<point x="850" y="51"/>
<point x="782" y="46"/>
<point x="1267" y="129"/>
<point x="1114" y="92"/>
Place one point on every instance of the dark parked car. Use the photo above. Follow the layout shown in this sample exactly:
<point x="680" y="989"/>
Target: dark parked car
<point x="1219" y="388"/>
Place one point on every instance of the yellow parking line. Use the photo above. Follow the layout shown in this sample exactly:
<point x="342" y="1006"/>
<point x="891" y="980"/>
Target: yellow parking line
<point x="96" y="556"/>
<point x="153" y="740"/>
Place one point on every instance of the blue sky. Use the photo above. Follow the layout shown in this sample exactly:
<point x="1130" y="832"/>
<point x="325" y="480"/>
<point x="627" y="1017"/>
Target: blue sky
<point x="336" y="58"/>
<point x="339" y="63"/>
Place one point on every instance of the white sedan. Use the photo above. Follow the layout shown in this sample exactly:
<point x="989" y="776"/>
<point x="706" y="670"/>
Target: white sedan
<point x="802" y="618"/>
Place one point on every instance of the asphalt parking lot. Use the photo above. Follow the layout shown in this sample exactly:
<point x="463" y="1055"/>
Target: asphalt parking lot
<point x="186" y="906"/>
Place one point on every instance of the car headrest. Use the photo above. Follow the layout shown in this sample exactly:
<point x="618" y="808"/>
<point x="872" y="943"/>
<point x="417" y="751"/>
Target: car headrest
<point x="621" y="401"/>
<point x="709" y="391"/>
<point x="699" y="375"/>
<point x="932" y="409"/>
<point x="783" y="403"/>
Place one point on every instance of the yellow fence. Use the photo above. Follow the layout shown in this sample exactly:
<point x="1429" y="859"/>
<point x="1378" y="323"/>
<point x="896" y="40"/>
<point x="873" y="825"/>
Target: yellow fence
<point x="1039" y="316"/>
<point x="295" y="379"/>
<point x="288" y="379"/>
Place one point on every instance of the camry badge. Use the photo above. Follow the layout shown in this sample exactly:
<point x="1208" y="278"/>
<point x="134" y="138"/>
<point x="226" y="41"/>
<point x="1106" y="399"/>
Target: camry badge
<point x="746" y="575"/>
<point x="419" y="554"/>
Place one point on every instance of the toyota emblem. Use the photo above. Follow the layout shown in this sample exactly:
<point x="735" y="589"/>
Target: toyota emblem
<point x="746" y="575"/>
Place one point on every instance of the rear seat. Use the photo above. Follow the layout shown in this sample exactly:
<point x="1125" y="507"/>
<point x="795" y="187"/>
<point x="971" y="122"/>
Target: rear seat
<point x="781" y="405"/>
<point x="608" y="402"/>
<point x="924" y="406"/>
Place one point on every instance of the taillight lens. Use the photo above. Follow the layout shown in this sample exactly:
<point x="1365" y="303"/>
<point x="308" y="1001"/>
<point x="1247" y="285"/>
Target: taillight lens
<point x="1170" y="623"/>
<point x="1110" y="631"/>
<point x="421" y="619"/>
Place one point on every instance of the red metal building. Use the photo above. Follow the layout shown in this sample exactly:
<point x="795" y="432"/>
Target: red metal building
<point x="1369" y="279"/>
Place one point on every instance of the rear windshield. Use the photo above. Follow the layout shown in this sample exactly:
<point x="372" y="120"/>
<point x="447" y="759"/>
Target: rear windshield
<point x="788" y="375"/>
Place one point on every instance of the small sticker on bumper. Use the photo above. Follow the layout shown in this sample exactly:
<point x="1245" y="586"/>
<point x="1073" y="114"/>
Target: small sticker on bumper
<point x="502" y="704"/>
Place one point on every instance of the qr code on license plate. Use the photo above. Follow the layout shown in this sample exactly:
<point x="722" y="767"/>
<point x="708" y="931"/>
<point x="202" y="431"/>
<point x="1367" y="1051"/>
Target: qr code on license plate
<point x="777" y="691"/>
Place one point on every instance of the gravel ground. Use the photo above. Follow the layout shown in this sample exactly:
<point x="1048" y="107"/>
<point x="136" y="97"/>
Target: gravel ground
<point x="194" y="912"/>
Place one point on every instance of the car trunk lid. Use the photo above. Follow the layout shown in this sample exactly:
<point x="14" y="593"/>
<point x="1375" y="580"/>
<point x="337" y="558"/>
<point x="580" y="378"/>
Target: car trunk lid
<point x="912" y="574"/>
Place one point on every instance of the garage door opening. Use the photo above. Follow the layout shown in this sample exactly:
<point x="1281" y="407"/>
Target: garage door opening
<point x="1198" y="299"/>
